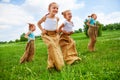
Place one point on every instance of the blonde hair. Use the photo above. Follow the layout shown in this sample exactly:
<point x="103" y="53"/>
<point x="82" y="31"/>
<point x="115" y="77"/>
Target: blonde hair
<point x="64" y="12"/>
<point x="51" y="5"/>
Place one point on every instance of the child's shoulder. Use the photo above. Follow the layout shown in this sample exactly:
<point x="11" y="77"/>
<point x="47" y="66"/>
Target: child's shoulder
<point x="57" y="18"/>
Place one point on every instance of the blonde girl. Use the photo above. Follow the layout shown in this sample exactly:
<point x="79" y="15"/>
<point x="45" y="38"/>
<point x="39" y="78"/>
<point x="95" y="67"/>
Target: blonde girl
<point x="51" y="37"/>
<point x="92" y="32"/>
<point x="66" y="42"/>
<point x="30" y="49"/>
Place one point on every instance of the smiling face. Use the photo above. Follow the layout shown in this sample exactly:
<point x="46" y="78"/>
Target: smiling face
<point x="53" y="8"/>
<point x="94" y="16"/>
<point x="32" y="27"/>
<point x="68" y="15"/>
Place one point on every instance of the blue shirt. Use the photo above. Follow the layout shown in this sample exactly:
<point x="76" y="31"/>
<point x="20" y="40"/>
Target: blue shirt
<point x="92" y="21"/>
<point x="31" y="36"/>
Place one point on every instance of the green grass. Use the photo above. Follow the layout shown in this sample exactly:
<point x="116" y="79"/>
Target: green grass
<point x="103" y="64"/>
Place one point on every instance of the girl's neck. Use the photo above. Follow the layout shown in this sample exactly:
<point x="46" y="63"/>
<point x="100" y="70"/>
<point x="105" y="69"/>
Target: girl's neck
<point x="51" y="15"/>
<point x="69" y="20"/>
<point x="30" y="30"/>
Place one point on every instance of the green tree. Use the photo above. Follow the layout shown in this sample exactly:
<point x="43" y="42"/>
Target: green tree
<point x="80" y="30"/>
<point x="11" y="41"/>
<point x="100" y="26"/>
<point x="115" y="26"/>
<point x="22" y="38"/>
<point x="17" y="40"/>
<point x="85" y="27"/>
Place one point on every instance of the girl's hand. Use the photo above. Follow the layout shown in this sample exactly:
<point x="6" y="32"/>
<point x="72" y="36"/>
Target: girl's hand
<point x="44" y="31"/>
<point x="57" y="31"/>
<point x="65" y="32"/>
<point x="71" y="32"/>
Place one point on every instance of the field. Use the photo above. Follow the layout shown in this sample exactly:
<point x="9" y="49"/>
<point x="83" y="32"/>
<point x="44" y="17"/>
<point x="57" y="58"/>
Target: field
<point x="103" y="64"/>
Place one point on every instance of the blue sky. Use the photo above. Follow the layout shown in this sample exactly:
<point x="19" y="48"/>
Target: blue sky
<point x="15" y="14"/>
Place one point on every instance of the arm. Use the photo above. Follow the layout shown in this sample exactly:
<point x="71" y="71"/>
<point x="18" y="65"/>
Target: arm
<point x="26" y="35"/>
<point x="88" y="23"/>
<point x="40" y="26"/>
<point x="57" y="25"/>
<point x="60" y="28"/>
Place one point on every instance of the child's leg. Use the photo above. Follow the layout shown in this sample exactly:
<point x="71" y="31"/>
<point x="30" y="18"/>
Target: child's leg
<point x="25" y="55"/>
<point x="50" y="60"/>
<point x="31" y="51"/>
<point x="92" y="39"/>
<point x="90" y="33"/>
<point x="55" y="56"/>
<point x="68" y="49"/>
<point x="93" y="42"/>
<point x="72" y="52"/>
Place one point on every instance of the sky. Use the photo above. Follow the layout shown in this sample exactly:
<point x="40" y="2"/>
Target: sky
<point x="15" y="14"/>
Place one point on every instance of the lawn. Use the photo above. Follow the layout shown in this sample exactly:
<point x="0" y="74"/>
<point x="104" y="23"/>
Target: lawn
<point x="103" y="64"/>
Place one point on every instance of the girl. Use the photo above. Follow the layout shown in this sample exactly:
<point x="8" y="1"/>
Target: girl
<point x="51" y="38"/>
<point x="29" y="52"/>
<point x="92" y="32"/>
<point x="66" y="42"/>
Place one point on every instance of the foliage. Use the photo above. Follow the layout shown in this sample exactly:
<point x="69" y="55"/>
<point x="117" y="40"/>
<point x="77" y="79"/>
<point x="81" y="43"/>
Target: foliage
<point x="100" y="26"/>
<point x="114" y="26"/>
<point x="78" y="31"/>
<point x="3" y="42"/>
<point x="11" y="41"/>
<point x="86" y="27"/>
<point x="17" y="40"/>
<point x="22" y="38"/>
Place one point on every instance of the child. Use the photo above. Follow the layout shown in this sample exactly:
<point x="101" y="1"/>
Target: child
<point x="29" y="52"/>
<point x="51" y="38"/>
<point x="92" y="32"/>
<point x="66" y="42"/>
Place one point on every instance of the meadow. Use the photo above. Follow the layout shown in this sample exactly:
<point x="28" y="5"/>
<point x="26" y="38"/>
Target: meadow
<point x="103" y="64"/>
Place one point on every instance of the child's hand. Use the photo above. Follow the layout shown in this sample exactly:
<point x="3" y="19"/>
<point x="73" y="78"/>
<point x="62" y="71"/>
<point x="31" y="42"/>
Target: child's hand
<point x="71" y="32"/>
<point x="92" y="25"/>
<point x="44" y="31"/>
<point x="57" y="31"/>
<point x="65" y="32"/>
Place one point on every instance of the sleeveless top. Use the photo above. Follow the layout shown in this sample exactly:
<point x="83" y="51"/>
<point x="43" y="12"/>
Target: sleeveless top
<point x="50" y="24"/>
<point x="92" y="21"/>
<point x="31" y="36"/>
<point x="68" y="26"/>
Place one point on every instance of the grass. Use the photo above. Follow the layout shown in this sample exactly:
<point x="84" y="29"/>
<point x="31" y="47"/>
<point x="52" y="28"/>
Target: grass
<point x="103" y="64"/>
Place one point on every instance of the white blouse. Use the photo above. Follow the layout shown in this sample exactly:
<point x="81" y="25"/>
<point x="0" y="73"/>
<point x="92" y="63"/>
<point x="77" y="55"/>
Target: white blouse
<point x="50" y="24"/>
<point x="68" y="26"/>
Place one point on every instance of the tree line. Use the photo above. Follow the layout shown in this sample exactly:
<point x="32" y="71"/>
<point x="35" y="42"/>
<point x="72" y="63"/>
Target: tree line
<point x="101" y="27"/>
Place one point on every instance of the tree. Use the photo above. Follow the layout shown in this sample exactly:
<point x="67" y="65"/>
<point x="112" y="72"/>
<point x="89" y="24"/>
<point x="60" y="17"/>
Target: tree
<point x="99" y="28"/>
<point x="115" y="26"/>
<point x="80" y="30"/>
<point x="22" y="38"/>
<point x="11" y="41"/>
<point x="3" y="42"/>
<point x="86" y="27"/>
<point x="17" y="40"/>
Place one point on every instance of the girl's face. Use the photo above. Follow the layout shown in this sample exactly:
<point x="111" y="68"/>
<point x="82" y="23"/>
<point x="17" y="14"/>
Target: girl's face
<point x="68" y="15"/>
<point x="32" y="28"/>
<point x="53" y="9"/>
<point x="94" y="17"/>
